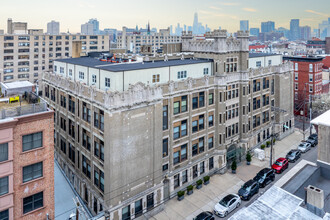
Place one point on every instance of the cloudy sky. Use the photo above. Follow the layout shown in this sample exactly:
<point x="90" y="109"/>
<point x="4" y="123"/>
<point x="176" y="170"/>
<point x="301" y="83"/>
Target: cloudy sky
<point x="115" y="14"/>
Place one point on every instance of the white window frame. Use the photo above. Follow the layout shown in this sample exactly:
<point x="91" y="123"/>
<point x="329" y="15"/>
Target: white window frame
<point x="310" y="68"/>
<point x="296" y="67"/>
<point x="310" y="88"/>
<point x="206" y="71"/>
<point x="94" y="78"/>
<point x="70" y="72"/>
<point x="310" y="77"/>
<point x="295" y="76"/>
<point x="258" y="63"/>
<point x="81" y="75"/>
<point x="296" y="86"/>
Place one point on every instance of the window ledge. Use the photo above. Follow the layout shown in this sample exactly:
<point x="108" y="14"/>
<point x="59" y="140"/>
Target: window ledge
<point x="33" y="211"/>
<point x="35" y="149"/>
<point x="32" y="181"/>
<point x="6" y="161"/>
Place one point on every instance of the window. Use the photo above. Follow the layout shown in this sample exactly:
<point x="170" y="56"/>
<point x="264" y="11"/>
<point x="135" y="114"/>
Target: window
<point x="3" y="152"/>
<point x="210" y="120"/>
<point x="201" y="168"/>
<point x="71" y="104"/>
<point x="256" y="85"/>
<point x="93" y="78"/>
<point x="155" y="78"/>
<point x="86" y="167"/>
<point x="273" y="86"/>
<point x="165" y="167"/>
<point x="32" y="141"/>
<point x="210" y="142"/>
<point x="150" y="201"/>
<point x="198" y="100"/>
<point x="32" y="172"/>
<point x="4" y="186"/>
<point x="4" y="215"/>
<point x="206" y="71"/>
<point x="138" y="208"/>
<point x="184" y="176"/>
<point x="33" y="202"/>
<point x="269" y="62"/>
<point x="70" y="72"/>
<point x="126" y="213"/>
<point x="182" y="74"/>
<point x="107" y="82"/>
<point x="180" y="129"/>
<point x="198" y="146"/>
<point x="211" y="98"/>
<point x="176" y="181"/>
<point x="179" y="154"/>
<point x="165" y="117"/>
<point x="98" y="178"/>
<point x="258" y="63"/>
<point x="61" y="69"/>
<point x="310" y="88"/>
<point x="165" y="147"/>
<point x="310" y="67"/>
<point x="81" y="75"/>
<point x="63" y="101"/>
<point x="72" y="153"/>
<point x="296" y="67"/>
<point x="310" y="77"/>
<point x="211" y="163"/>
<point x="195" y="171"/>
<point x="296" y="86"/>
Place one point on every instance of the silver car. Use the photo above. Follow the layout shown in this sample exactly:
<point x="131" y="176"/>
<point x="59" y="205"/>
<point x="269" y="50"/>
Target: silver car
<point x="227" y="204"/>
<point x="304" y="147"/>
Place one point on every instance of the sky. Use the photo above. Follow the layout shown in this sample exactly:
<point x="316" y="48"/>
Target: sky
<point x="162" y="13"/>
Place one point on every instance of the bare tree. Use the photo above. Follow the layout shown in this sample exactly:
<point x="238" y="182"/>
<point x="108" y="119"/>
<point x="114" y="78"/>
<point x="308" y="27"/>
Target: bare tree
<point x="321" y="104"/>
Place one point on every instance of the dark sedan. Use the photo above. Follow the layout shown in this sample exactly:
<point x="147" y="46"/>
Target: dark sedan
<point x="205" y="216"/>
<point x="312" y="141"/>
<point x="264" y="177"/>
<point x="249" y="188"/>
<point x="293" y="155"/>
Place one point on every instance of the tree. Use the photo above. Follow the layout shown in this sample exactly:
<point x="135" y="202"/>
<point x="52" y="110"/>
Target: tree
<point x="321" y="104"/>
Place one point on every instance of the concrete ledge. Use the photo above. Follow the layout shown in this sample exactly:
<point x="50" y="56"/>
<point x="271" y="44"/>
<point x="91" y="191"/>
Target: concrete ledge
<point x="289" y="175"/>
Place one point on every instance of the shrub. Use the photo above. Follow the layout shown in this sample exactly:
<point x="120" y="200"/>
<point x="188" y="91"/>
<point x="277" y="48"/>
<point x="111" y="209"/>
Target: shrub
<point x="199" y="182"/>
<point x="268" y="143"/>
<point x="180" y="193"/>
<point x="248" y="157"/>
<point x="190" y="187"/>
<point x="233" y="165"/>
<point x="262" y="146"/>
<point x="274" y="141"/>
<point x="206" y="178"/>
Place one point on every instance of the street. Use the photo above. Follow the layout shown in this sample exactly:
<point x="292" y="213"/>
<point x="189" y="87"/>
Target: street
<point x="311" y="155"/>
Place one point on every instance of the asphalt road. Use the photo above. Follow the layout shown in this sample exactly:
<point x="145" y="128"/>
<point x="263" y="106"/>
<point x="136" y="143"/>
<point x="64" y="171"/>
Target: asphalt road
<point x="311" y="155"/>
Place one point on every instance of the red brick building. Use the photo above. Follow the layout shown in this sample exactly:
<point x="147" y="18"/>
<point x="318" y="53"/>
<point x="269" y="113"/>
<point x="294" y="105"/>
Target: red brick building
<point x="307" y="80"/>
<point x="26" y="161"/>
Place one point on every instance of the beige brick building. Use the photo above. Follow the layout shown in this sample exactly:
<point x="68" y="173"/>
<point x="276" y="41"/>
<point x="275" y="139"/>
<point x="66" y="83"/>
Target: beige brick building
<point x="27" y="56"/>
<point x="140" y="132"/>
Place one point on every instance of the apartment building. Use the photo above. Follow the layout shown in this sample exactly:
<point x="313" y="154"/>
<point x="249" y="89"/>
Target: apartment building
<point x="133" y="41"/>
<point x="25" y="57"/>
<point x="26" y="156"/>
<point x="307" y="80"/>
<point x="129" y="136"/>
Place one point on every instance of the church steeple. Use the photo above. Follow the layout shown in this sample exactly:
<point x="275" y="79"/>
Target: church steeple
<point x="148" y="28"/>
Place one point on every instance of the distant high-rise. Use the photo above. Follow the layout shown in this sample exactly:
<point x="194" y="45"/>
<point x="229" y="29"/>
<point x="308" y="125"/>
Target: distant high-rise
<point x="254" y="31"/>
<point x="195" y="24"/>
<point x="244" y="25"/>
<point x="87" y="29"/>
<point x="305" y="33"/>
<point x="16" y="27"/>
<point x="96" y="25"/>
<point x="268" y="26"/>
<point x="53" y="27"/>
<point x="294" y="29"/>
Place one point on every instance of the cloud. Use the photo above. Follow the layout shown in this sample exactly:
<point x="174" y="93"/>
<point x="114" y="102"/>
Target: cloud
<point x="317" y="13"/>
<point x="250" y="9"/>
<point x="216" y="8"/>
<point x="229" y="3"/>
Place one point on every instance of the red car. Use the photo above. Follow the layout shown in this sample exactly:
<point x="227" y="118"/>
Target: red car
<point x="280" y="165"/>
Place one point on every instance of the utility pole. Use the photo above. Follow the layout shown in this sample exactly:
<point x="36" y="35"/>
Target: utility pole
<point x="310" y="114"/>
<point x="304" y="112"/>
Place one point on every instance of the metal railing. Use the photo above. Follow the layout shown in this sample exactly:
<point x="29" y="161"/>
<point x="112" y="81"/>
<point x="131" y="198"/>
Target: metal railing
<point x="23" y="110"/>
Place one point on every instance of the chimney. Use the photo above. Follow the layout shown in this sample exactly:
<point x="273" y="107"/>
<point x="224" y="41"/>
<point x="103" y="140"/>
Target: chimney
<point x="76" y="49"/>
<point x="315" y="200"/>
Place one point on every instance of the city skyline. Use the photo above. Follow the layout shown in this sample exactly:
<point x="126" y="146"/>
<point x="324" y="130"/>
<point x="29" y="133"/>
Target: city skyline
<point x="226" y="14"/>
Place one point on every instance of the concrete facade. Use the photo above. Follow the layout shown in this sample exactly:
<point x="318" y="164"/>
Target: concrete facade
<point x="159" y="138"/>
<point x="25" y="57"/>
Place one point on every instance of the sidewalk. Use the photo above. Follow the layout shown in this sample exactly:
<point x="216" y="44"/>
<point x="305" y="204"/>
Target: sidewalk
<point x="220" y="185"/>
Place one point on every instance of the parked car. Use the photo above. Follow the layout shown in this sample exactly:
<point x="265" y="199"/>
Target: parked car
<point x="293" y="155"/>
<point x="312" y="141"/>
<point x="227" y="204"/>
<point x="205" y="216"/>
<point x="264" y="177"/>
<point x="249" y="188"/>
<point x="313" y="136"/>
<point x="280" y="165"/>
<point x="304" y="147"/>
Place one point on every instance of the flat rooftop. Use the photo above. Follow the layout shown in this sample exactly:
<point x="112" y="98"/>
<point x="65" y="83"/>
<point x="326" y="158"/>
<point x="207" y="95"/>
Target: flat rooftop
<point x="254" y="55"/>
<point x="303" y="59"/>
<point x="323" y="119"/>
<point x="120" y="67"/>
